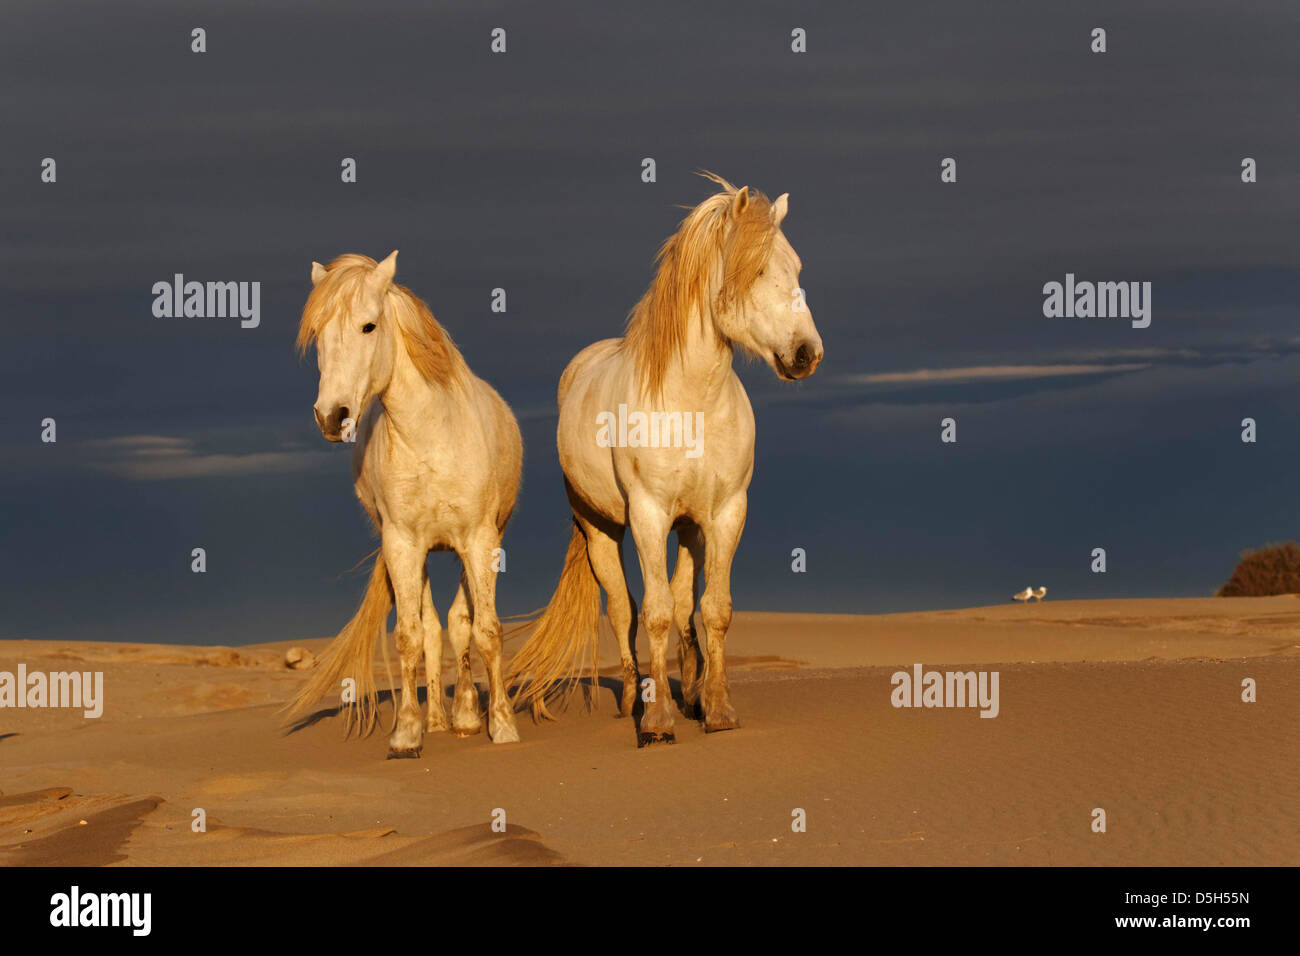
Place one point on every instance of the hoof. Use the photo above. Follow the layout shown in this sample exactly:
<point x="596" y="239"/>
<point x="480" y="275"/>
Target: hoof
<point x="646" y="738"/>
<point x="720" y="726"/>
<point x="436" y="726"/>
<point x="411" y="754"/>
<point x="505" y="735"/>
<point x="466" y="722"/>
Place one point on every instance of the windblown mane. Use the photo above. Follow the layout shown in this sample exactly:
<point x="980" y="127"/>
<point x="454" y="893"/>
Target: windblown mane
<point x="687" y="277"/>
<point x="427" y="343"/>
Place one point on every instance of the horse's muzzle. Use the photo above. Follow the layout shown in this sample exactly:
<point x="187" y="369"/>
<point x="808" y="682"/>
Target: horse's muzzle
<point x="331" y="425"/>
<point x="803" y="363"/>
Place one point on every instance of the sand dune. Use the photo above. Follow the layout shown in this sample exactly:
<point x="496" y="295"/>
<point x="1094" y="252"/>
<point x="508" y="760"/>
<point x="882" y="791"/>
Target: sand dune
<point x="1131" y="706"/>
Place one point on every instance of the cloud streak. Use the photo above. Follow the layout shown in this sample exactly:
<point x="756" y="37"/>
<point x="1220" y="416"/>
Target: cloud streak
<point x="975" y="373"/>
<point x="163" y="458"/>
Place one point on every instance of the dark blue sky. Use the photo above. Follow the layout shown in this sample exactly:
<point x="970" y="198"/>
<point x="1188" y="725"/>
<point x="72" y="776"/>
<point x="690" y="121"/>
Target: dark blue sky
<point x="522" y="171"/>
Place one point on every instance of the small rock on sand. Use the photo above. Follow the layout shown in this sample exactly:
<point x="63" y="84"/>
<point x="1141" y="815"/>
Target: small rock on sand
<point x="299" y="658"/>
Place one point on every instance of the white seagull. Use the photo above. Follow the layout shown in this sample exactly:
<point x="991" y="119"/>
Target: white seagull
<point x="1024" y="595"/>
<point x="1040" y="592"/>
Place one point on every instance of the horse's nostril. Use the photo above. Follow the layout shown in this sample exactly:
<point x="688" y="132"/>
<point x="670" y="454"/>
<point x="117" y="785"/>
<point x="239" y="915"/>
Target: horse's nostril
<point x="343" y="414"/>
<point x="802" y="357"/>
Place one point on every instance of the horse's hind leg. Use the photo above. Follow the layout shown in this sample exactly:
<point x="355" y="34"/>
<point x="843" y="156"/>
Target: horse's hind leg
<point x="486" y="628"/>
<point x="405" y="570"/>
<point x="437" y="719"/>
<point x="605" y="552"/>
<point x="690" y="558"/>
<point x="465" y="719"/>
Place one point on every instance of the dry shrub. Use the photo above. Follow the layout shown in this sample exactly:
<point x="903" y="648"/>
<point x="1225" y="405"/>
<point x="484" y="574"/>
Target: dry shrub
<point x="1272" y="569"/>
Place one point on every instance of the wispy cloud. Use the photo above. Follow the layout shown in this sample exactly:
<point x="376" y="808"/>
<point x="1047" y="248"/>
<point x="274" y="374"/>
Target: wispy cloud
<point x="163" y="458"/>
<point x="976" y="373"/>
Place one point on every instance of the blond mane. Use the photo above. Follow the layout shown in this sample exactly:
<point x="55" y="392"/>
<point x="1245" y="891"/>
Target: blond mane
<point x="427" y="343"/>
<point x="685" y="282"/>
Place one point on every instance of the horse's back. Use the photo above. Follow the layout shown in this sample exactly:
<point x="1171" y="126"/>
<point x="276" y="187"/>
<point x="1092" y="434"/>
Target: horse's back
<point x="504" y="437"/>
<point x="583" y="361"/>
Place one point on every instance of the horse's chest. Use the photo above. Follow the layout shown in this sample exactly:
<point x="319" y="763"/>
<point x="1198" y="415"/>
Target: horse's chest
<point x="699" y="475"/>
<point x="414" y="492"/>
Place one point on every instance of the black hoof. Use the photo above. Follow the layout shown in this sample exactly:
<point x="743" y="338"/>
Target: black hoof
<point x="645" y="738"/>
<point x="404" y="754"/>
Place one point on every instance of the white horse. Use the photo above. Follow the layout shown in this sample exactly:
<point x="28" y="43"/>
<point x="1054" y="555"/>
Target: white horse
<point x="727" y="278"/>
<point x="437" y="467"/>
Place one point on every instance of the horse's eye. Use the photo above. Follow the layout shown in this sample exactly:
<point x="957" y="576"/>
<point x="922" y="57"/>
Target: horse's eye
<point x="368" y="328"/>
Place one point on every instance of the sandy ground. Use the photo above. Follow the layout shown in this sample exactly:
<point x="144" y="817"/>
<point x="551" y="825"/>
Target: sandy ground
<point x="1130" y="706"/>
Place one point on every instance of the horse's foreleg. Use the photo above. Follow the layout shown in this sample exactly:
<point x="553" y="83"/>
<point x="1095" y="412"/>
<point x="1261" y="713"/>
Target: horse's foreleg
<point x="437" y="719"/>
<point x="650" y="529"/>
<point x="405" y="570"/>
<point x="721" y="538"/>
<point x="465" y="718"/>
<point x="486" y="628"/>
<point x="690" y="558"/>
<point x="605" y="552"/>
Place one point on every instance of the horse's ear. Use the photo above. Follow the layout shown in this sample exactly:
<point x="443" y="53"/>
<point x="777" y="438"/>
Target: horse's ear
<point x="317" y="273"/>
<point x="780" y="208"/>
<point x="384" y="272"/>
<point x="740" y="202"/>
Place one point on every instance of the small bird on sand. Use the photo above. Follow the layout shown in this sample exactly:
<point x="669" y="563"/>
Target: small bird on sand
<point x="1040" y="592"/>
<point x="1024" y="595"/>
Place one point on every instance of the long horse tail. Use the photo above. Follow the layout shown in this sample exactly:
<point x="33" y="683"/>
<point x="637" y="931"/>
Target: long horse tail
<point x="352" y="654"/>
<point x="563" y="638"/>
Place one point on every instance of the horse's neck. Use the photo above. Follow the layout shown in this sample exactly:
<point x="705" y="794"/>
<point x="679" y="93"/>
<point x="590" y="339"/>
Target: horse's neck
<point x="411" y="402"/>
<point x="697" y="381"/>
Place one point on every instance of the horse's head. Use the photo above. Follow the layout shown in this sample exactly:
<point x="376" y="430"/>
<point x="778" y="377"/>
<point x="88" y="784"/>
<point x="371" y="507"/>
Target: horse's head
<point x="354" y="344"/>
<point x="764" y="311"/>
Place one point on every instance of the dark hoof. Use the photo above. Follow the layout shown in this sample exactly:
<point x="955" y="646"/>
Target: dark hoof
<point x="412" y="754"/>
<point x="645" y="738"/>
